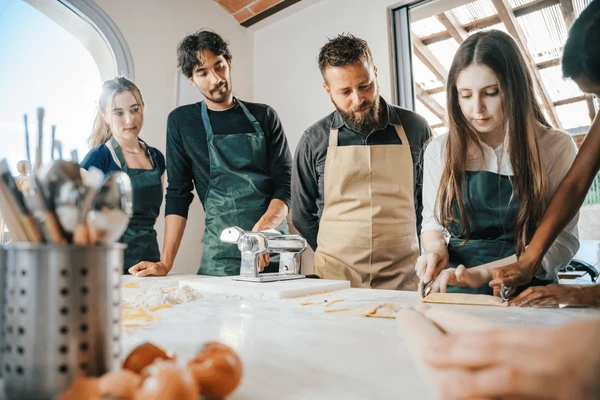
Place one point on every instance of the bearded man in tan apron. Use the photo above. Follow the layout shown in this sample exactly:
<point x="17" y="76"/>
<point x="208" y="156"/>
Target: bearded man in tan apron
<point x="355" y="181"/>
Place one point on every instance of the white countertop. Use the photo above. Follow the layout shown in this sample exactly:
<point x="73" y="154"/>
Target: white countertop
<point x="291" y="351"/>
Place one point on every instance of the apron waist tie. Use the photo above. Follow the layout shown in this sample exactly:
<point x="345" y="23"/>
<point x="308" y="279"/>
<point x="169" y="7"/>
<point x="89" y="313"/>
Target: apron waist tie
<point x="142" y="222"/>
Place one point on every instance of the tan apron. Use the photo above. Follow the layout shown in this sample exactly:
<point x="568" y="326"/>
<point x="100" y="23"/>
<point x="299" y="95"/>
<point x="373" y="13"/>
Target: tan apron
<point x="367" y="233"/>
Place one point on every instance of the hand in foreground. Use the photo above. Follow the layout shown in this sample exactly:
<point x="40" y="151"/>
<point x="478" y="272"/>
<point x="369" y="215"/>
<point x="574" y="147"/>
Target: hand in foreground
<point x="459" y="277"/>
<point x="263" y="259"/>
<point x="554" y="295"/>
<point x="430" y="265"/>
<point x="146" y="268"/>
<point x="512" y="275"/>
<point x="560" y="364"/>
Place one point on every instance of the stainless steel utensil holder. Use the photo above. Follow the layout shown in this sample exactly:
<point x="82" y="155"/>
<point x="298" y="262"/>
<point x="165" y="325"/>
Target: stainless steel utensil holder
<point x="62" y="316"/>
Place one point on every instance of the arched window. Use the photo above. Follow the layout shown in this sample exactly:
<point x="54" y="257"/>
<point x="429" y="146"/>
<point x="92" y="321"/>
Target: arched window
<point x="55" y="54"/>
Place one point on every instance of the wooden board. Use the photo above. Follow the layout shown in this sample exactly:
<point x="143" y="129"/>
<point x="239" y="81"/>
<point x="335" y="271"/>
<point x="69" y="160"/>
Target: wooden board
<point x="464" y="298"/>
<point x="273" y="290"/>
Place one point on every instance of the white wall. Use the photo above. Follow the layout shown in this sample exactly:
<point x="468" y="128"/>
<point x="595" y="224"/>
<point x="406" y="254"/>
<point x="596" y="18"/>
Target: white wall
<point x="286" y="74"/>
<point x="152" y="29"/>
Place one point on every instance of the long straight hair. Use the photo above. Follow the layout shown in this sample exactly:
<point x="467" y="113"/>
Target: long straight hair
<point x="523" y="121"/>
<point x="101" y="131"/>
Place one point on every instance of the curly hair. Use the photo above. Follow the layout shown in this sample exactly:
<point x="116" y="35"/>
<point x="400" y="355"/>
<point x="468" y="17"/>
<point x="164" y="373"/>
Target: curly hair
<point x="342" y="50"/>
<point x="198" y="42"/>
<point x="582" y="50"/>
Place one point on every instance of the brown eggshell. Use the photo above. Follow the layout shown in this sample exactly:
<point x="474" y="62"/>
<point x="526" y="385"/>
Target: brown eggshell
<point x="144" y="355"/>
<point x="82" y="388"/>
<point x="217" y="369"/>
<point x="121" y="384"/>
<point x="166" y="381"/>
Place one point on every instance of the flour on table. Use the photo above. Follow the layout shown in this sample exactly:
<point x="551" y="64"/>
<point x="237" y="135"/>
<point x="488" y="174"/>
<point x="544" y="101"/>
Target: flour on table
<point x="156" y="297"/>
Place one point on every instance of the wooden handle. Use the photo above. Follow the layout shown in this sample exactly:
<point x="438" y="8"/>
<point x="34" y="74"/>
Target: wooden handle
<point x="31" y="230"/>
<point x="12" y="215"/>
<point x="81" y="236"/>
<point x="53" y="228"/>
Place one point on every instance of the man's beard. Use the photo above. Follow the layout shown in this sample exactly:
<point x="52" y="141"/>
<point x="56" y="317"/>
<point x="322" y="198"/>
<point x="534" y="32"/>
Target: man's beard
<point x="366" y="121"/>
<point x="216" y="96"/>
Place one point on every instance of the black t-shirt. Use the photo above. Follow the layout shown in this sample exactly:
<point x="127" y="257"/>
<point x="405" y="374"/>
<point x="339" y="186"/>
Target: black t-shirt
<point x="188" y="162"/>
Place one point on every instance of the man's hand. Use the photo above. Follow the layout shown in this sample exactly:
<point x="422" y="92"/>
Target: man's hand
<point x="559" y="364"/>
<point x="146" y="268"/>
<point x="263" y="224"/>
<point x="554" y="295"/>
<point x="459" y="277"/>
<point x="513" y="275"/>
<point x="430" y="264"/>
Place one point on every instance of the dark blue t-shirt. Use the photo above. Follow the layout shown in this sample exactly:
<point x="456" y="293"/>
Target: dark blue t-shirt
<point x="101" y="158"/>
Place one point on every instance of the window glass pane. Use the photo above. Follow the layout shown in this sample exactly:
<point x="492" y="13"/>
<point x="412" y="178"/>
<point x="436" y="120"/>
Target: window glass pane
<point x="42" y="65"/>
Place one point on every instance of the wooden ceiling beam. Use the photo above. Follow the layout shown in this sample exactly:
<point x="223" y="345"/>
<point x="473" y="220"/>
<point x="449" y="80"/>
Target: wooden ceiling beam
<point x="431" y="103"/>
<point x="529" y="8"/>
<point x="509" y="19"/>
<point x="435" y="90"/>
<point x="448" y="19"/>
<point x="591" y="107"/>
<point x="566" y="8"/>
<point x="548" y="64"/>
<point x="427" y="58"/>
<point x="571" y="100"/>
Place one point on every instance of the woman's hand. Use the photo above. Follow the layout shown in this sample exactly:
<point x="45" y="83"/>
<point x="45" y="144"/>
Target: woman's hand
<point x="429" y="265"/>
<point x="460" y="277"/>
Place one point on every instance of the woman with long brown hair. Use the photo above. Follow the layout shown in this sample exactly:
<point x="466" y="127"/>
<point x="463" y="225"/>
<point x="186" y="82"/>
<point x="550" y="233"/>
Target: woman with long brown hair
<point x="116" y="146"/>
<point x="487" y="182"/>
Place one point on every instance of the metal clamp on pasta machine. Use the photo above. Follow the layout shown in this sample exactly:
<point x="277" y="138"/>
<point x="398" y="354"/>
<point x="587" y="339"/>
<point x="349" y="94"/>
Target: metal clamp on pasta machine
<point x="253" y="244"/>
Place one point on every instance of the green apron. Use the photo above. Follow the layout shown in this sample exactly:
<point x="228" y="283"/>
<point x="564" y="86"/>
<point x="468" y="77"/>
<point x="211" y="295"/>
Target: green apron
<point x="140" y="236"/>
<point x="491" y="213"/>
<point x="239" y="192"/>
<point x="491" y="209"/>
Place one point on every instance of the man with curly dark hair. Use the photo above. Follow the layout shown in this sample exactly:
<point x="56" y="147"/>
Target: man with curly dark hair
<point x="234" y="152"/>
<point x="356" y="182"/>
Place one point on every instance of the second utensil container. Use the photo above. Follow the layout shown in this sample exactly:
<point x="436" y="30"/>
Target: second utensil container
<point x="62" y="316"/>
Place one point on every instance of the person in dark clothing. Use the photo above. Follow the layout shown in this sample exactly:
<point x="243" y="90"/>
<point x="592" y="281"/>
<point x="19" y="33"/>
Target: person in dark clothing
<point x="233" y="152"/>
<point x="356" y="181"/>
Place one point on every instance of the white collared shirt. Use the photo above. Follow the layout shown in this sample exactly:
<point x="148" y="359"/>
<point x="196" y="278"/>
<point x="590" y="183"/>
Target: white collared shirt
<point x="558" y="151"/>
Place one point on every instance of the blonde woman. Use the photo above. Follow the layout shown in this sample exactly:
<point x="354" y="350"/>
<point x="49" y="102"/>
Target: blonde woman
<point x="116" y="146"/>
<point x="487" y="183"/>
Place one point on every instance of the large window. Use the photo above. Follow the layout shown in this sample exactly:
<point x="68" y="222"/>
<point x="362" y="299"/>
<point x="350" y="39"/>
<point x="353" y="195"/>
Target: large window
<point x="427" y="34"/>
<point x="436" y="29"/>
<point x="54" y="56"/>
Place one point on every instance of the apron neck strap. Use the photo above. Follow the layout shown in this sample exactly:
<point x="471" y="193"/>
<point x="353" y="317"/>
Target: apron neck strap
<point x="250" y="117"/>
<point x="208" y="127"/>
<point x="115" y="150"/>
<point x="333" y="137"/>
<point x="401" y="134"/>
